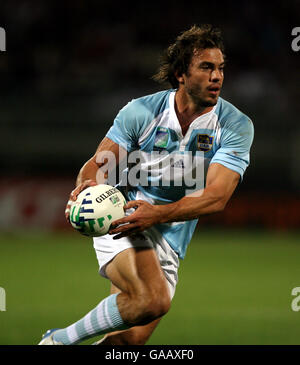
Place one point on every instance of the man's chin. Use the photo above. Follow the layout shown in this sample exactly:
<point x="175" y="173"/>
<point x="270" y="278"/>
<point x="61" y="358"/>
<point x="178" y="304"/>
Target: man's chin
<point x="209" y="102"/>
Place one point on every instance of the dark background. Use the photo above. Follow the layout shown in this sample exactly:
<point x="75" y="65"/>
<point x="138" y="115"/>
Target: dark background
<point x="71" y="65"/>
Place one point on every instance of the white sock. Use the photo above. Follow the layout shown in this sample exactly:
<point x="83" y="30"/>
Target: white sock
<point x="102" y="319"/>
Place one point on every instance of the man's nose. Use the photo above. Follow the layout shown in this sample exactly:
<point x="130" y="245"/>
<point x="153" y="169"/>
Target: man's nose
<point x="216" y="75"/>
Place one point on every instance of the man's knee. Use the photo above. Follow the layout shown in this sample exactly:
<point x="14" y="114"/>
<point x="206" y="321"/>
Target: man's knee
<point x="157" y="306"/>
<point x="152" y="305"/>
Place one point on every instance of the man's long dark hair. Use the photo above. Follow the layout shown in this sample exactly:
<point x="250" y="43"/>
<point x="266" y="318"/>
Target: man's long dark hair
<point x="178" y="55"/>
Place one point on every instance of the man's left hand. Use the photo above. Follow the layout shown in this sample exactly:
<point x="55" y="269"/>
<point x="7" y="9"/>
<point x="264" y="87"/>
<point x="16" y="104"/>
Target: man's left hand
<point x="145" y="216"/>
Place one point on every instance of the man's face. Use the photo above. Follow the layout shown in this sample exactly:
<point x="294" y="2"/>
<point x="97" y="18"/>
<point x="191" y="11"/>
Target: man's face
<point x="204" y="77"/>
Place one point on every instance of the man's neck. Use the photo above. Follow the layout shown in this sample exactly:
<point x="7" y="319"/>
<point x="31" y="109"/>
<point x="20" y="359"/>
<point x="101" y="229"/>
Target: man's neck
<point x="187" y="110"/>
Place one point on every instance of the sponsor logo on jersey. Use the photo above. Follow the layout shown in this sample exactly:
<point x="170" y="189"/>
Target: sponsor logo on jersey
<point x="204" y="142"/>
<point x="161" y="137"/>
<point x="178" y="164"/>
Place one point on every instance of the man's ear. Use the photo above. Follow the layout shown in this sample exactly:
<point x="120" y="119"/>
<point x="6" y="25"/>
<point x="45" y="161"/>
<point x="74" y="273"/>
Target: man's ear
<point x="179" y="77"/>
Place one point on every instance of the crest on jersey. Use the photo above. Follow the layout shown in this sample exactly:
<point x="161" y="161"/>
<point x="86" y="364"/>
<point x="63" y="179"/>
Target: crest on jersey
<point x="204" y="142"/>
<point x="161" y="138"/>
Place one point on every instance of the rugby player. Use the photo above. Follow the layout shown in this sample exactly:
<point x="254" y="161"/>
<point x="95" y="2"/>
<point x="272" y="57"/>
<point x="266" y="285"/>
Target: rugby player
<point x="140" y="255"/>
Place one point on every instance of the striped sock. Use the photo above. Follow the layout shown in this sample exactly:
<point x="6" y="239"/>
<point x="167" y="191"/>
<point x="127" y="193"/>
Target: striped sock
<point x="102" y="319"/>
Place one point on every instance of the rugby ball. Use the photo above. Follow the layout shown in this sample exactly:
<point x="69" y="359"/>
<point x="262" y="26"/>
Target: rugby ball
<point x="96" y="208"/>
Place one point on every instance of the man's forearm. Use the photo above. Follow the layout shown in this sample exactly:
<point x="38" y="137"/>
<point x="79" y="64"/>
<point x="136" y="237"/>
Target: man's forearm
<point x="89" y="171"/>
<point x="189" y="208"/>
<point x="105" y="159"/>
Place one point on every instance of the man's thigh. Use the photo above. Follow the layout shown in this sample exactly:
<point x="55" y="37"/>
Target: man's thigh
<point x="164" y="257"/>
<point x="107" y="248"/>
<point x="136" y="271"/>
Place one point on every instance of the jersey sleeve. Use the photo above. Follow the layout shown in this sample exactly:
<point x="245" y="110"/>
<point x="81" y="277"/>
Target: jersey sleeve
<point x="235" y="142"/>
<point x="133" y="119"/>
<point x="125" y="126"/>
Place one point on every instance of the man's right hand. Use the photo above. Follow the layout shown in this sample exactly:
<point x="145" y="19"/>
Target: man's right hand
<point x="74" y="194"/>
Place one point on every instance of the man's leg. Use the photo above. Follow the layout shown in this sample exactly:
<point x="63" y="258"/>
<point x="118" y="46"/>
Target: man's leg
<point x="137" y="335"/>
<point x="144" y="290"/>
<point x="144" y="297"/>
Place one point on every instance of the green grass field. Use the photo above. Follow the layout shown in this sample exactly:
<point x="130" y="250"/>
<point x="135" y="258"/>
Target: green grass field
<point x="234" y="288"/>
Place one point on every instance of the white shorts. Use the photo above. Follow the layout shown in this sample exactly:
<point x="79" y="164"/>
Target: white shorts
<point x="106" y="249"/>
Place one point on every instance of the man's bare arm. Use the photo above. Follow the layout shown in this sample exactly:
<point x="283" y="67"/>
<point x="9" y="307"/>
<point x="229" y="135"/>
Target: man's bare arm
<point x="220" y="185"/>
<point x="95" y="171"/>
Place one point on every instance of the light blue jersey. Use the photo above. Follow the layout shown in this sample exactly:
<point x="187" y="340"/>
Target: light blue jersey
<point x="169" y="160"/>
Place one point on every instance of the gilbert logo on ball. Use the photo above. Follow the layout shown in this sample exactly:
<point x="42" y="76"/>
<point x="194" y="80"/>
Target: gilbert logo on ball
<point x="96" y="208"/>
